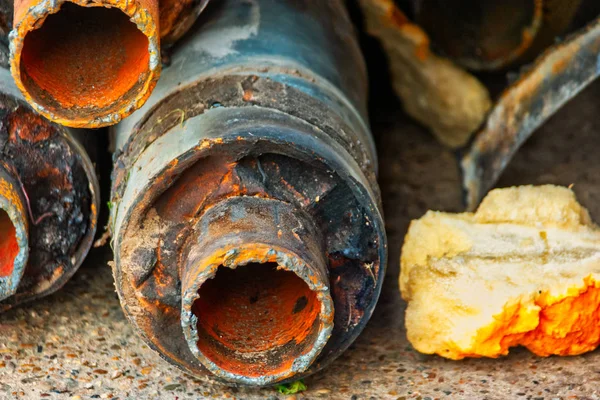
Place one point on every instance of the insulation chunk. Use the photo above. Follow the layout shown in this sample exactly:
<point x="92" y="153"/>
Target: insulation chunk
<point x="522" y="270"/>
<point x="442" y="96"/>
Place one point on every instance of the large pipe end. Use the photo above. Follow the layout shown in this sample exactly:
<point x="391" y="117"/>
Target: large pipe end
<point x="14" y="246"/>
<point x="256" y="303"/>
<point x="86" y="64"/>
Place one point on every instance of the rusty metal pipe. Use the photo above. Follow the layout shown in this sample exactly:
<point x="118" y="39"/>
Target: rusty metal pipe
<point x="14" y="239"/>
<point x="255" y="297"/>
<point x="177" y="17"/>
<point x="557" y="76"/>
<point x="85" y="64"/>
<point x="48" y="201"/>
<point x="248" y="239"/>
<point x="492" y="34"/>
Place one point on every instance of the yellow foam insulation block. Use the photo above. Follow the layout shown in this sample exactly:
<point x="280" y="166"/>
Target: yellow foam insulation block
<point x="522" y="270"/>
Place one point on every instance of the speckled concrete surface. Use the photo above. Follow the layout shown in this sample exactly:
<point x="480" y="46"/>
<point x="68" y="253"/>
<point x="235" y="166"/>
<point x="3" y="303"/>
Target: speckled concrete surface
<point x="77" y="343"/>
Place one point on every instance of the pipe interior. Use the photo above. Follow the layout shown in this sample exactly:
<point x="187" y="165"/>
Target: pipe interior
<point x="84" y="57"/>
<point x="477" y="31"/>
<point x="255" y="320"/>
<point x="9" y="247"/>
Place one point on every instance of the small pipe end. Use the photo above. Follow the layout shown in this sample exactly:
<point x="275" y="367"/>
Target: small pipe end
<point x="82" y="65"/>
<point x="14" y="244"/>
<point x="256" y="305"/>
<point x="257" y="320"/>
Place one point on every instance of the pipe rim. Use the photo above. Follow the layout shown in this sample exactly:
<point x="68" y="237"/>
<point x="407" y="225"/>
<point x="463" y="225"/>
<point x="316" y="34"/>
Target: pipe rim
<point x="529" y="31"/>
<point x="13" y="204"/>
<point x="144" y="19"/>
<point x="242" y="255"/>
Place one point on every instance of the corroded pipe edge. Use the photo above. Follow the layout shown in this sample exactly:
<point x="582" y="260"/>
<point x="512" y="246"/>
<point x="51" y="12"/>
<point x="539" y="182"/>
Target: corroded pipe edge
<point x="94" y="187"/>
<point x="56" y="281"/>
<point x="33" y="18"/>
<point x="13" y="203"/>
<point x="71" y="136"/>
<point x="529" y="35"/>
<point x="196" y="139"/>
<point x="183" y="25"/>
<point x="238" y="256"/>
<point x="557" y="76"/>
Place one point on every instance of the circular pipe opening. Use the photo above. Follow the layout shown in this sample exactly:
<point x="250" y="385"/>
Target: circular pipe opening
<point x="480" y="34"/>
<point x="256" y="320"/>
<point x="85" y="60"/>
<point x="9" y="246"/>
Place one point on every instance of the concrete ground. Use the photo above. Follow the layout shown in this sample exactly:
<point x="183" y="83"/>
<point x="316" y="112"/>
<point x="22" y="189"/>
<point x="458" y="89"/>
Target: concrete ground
<point x="77" y="343"/>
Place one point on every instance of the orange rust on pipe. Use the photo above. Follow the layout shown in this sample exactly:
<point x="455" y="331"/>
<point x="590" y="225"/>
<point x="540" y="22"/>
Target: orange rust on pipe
<point x="177" y="17"/>
<point x="85" y="64"/>
<point x="9" y="248"/>
<point x="14" y="226"/>
<point x="254" y="308"/>
<point x="48" y="189"/>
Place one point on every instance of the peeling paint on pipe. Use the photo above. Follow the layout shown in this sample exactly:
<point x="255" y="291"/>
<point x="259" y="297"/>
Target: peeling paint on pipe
<point x="85" y="64"/>
<point x="49" y="200"/>
<point x="252" y="158"/>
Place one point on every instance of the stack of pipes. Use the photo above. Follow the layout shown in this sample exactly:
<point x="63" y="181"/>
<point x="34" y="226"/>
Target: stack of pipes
<point x="245" y="218"/>
<point x="245" y="214"/>
<point x="74" y="65"/>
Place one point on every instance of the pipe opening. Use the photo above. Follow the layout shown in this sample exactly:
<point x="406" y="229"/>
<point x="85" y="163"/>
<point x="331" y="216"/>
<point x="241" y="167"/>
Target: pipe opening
<point x="84" y="59"/>
<point x="255" y="320"/>
<point x="480" y="33"/>
<point x="9" y="247"/>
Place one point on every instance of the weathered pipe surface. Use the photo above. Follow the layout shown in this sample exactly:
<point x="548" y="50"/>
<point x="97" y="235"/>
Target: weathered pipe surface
<point x="82" y="63"/>
<point x="556" y="77"/>
<point x="14" y="231"/>
<point x="177" y="17"/>
<point x="48" y="201"/>
<point x="247" y="229"/>
<point x="492" y="34"/>
<point x="6" y="21"/>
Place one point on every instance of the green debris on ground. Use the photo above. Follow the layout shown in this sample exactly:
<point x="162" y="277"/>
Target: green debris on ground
<point x="292" y="387"/>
